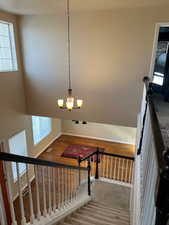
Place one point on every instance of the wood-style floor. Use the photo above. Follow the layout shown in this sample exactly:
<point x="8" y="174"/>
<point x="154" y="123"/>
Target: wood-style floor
<point x="55" y="150"/>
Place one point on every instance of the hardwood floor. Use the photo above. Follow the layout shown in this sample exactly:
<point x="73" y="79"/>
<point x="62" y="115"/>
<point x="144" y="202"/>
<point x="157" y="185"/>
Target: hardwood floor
<point x="58" y="146"/>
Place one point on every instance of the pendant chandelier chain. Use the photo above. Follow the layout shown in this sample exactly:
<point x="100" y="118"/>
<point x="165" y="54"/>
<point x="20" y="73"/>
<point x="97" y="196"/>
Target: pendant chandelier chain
<point x="68" y="44"/>
<point x="70" y="100"/>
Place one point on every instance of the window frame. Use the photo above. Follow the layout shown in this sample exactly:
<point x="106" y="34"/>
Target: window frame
<point x="37" y="143"/>
<point x="13" y="46"/>
<point x="22" y="166"/>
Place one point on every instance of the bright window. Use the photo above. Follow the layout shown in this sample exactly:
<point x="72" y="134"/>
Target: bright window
<point x="8" y="59"/>
<point x="42" y="127"/>
<point x="18" y="146"/>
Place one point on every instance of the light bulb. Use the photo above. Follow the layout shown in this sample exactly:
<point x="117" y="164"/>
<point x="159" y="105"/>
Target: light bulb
<point x="79" y="103"/>
<point x="60" y="102"/>
<point x="70" y="103"/>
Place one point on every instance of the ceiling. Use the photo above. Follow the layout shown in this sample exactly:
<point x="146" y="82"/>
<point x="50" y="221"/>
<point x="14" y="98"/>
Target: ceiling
<point x="28" y="7"/>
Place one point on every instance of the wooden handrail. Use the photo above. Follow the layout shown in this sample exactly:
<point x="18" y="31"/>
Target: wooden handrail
<point x="29" y="160"/>
<point x="106" y="153"/>
<point x="118" y="156"/>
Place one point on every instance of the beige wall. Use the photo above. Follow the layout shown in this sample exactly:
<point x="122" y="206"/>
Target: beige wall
<point x="13" y="118"/>
<point x="111" y="52"/>
<point x="101" y="131"/>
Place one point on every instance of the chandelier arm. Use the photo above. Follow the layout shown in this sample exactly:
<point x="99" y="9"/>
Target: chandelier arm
<point x="68" y="44"/>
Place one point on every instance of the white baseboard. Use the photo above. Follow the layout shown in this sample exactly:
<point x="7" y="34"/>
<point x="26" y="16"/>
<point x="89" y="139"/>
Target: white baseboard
<point x="43" y="149"/>
<point x="98" y="138"/>
<point x="115" y="182"/>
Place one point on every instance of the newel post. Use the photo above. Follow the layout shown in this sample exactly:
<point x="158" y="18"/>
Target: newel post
<point x="89" y="170"/>
<point x="97" y="164"/>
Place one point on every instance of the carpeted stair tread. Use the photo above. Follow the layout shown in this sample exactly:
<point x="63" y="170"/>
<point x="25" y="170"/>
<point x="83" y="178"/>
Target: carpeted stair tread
<point x="95" y="213"/>
<point x="107" y="216"/>
<point x="93" y="219"/>
<point x="102" y="205"/>
<point x="108" y="211"/>
<point x="79" y="221"/>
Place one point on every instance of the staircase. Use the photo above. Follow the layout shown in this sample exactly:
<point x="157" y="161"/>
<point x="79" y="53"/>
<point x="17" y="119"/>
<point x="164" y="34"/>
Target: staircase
<point x="97" y="213"/>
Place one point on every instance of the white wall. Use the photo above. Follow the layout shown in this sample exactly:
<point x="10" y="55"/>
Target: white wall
<point x="111" y="52"/>
<point x="101" y="131"/>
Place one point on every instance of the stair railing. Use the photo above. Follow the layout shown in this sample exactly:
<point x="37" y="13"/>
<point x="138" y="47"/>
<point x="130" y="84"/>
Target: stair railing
<point x="109" y="166"/>
<point x="153" y="162"/>
<point x="53" y="189"/>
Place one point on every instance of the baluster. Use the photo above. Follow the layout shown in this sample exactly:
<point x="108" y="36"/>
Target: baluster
<point x="76" y="184"/>
<point x="61" y="191"/>
<point x="106" y="174"/>
<point x="123" y="161"/>
<point x="54" y="188"/>
<point x="49" y="190"/>
<point x="64" y="186"/>
<point x="115" y="170"/>
<point x="118" y="169"/>
<point x="23" y="219"/>
<point x="58" y="188"/>
<point x="37" y="192"/>
<point x="32" y="217"/>
<point x="126" y="175"/>
<point x="101" y="165"/>
<point x="93" y="166"/>
<point x="10" y="194"/>
<point x="67" y="186"/>
<point x="71" y="185"/>
<point x="111" y="167"/>
<point x="44" y="192"/>
<point x="130" y="171"/>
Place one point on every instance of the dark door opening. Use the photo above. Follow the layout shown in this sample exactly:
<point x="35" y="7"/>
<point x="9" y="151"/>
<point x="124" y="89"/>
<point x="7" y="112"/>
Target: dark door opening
<point x="161" y="68"/>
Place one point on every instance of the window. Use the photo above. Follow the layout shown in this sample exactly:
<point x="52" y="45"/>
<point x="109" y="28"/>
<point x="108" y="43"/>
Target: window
<point x="8" y="61"/>
<point x="41" y="128"/>
<point x="18" y="146"/>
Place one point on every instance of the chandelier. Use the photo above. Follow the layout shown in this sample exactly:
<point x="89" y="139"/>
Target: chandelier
<point x="69" y="103"/>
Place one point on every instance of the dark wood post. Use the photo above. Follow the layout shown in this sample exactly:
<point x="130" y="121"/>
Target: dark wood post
<point x="79" y="161"/>
<point x="97" y="164"/>
<point x="89" y="170"/>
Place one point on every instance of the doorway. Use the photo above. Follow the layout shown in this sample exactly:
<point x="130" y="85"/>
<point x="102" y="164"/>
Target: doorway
<point x="160" y="68"/>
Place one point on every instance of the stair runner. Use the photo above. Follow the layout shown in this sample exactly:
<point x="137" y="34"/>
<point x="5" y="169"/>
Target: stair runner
<point x="96" y="213"/>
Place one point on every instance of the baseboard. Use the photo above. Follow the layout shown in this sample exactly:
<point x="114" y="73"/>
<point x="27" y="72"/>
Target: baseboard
<point x="98" y="138"/>
<point x="43" y="149"/>
<point x="110" y="181"/>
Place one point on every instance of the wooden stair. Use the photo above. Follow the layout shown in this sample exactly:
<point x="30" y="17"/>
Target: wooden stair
<point x="96" y="213"/>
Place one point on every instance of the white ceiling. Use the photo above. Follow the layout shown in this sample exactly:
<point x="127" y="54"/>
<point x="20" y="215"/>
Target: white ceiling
<point x="52" y="6"/>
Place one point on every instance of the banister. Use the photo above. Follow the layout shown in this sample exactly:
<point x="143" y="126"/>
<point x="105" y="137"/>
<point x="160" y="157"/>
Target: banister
<point x="29" y="160"/>
<point x="87" y="157"/>
<point x="116" y="155"/>
<point x="158" y="138"/>
<point x="106" y="153"/>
